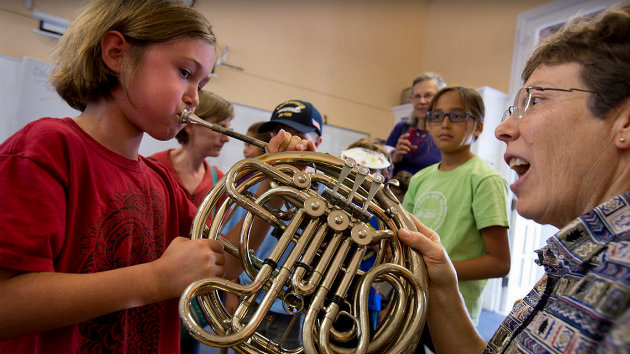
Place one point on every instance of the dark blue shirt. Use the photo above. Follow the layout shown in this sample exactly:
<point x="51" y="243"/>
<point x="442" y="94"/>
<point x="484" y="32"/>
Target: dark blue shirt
<point x="426" y="155"/>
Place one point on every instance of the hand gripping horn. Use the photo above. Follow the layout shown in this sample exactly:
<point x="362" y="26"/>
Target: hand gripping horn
<point x="335" y="212"/>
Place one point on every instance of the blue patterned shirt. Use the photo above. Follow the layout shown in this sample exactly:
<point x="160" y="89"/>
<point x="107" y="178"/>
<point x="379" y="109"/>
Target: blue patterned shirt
<point x="582" y="303"/>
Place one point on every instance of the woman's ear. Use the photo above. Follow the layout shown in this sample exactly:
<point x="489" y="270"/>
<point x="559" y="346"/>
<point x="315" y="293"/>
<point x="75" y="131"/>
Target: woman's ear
<point x="113" y="49"/>
<point x="622" y="126"/>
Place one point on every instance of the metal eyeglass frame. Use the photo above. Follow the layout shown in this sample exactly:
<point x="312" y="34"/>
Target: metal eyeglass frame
<point x="513" y="111"/>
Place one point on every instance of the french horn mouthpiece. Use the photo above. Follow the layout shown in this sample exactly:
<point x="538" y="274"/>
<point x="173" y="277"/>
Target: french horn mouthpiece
<point x="187" y="117"/>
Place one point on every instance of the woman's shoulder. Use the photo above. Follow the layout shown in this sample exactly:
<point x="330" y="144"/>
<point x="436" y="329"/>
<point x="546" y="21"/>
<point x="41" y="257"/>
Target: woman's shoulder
<point x="218" y="170"/>
<point x="400" y="125"/>
<point x="161" y="156"/>
<point x="213" y="173"/>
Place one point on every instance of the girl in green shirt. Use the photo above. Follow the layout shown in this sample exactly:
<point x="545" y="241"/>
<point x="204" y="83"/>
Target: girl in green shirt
<point x="462" y="197"/>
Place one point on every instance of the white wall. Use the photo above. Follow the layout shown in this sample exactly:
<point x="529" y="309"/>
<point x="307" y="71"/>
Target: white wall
<point x="26" y="94"/>
<point x="8" y="86"/>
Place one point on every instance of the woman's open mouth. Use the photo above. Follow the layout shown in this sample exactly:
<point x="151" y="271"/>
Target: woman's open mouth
<point x="519" y="166"/>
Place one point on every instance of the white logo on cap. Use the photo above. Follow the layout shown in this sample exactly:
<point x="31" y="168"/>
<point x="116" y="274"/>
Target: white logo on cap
<point x="290" y="109"/>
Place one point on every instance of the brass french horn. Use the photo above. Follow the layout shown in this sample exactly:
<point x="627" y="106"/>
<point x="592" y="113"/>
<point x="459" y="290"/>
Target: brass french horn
<point x="324" y="232"/>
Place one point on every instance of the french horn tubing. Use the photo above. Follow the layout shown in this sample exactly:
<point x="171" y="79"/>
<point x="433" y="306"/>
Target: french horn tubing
<point x="324" y="232"/>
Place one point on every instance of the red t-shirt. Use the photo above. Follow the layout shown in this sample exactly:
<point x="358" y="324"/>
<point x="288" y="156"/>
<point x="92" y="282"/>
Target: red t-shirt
<point x="71" y="205"/>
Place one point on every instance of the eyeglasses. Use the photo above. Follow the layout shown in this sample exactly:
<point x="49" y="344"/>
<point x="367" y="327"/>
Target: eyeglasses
<point x="427" y="96"/>
<point x="455" y="116"/>
<point x="524" y="98"/>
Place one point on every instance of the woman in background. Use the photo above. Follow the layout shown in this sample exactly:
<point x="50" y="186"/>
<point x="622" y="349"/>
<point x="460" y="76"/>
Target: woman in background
<point x="412" y="146"/>
<point x="188" y="162"/>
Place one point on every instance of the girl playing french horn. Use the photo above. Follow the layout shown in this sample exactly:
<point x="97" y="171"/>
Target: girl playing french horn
<point x="90" y="258"/>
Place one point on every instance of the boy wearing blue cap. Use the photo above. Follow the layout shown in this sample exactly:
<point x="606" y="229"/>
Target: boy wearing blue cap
<point x="299" y="118"/>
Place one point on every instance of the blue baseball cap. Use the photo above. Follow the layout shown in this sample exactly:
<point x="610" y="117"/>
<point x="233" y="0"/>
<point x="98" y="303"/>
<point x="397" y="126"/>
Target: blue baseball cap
<point x="299" y="115"/>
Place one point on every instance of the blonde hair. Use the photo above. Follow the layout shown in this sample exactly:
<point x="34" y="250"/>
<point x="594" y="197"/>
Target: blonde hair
<point x="79" y="74"/>
<point x="212" y="108"/>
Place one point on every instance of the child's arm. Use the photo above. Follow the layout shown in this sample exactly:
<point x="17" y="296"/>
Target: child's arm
<point x="494" y="264"/>
<point x="38" y="301"/>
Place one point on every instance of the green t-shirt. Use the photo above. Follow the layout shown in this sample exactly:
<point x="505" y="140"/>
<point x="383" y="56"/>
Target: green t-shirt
<point x="457" y="204"/>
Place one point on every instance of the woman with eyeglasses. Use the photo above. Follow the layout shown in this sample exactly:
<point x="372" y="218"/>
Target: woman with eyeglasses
<point x="411" y="145"/>
<point x="462" y="197"/>
<point x="568" y="140"/>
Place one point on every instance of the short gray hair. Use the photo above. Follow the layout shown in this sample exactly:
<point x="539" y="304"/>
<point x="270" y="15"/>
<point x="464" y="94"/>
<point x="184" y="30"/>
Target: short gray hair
<point x="429" y="75"/>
